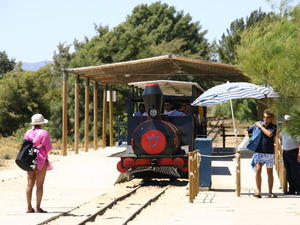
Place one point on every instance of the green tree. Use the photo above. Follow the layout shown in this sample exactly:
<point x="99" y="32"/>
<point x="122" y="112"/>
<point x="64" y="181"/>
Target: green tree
<point x="62" y="57"/>
<point x="229" y="42"/>
<point x="6" y="64"/>
<point x="150" y="30"/>
<point x="281" y="7"/>
<point x="269" y="54"/>
<point x="23" y="94"/>
<point x="246" y="109"/>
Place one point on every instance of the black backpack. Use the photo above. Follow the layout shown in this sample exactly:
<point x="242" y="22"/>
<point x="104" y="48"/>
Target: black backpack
<point x="27" y="156"/>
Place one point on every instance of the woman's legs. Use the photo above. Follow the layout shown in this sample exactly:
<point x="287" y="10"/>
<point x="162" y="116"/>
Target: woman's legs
<point x="31" y="177"/>
<point x="40" y="178"/>
<point x="258" y="167"/>
<point x="270" y="179"/>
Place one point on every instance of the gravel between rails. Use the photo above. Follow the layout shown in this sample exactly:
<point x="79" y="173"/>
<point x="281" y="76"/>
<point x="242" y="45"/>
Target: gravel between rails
<point x="168" y="206"/>
<point x="84" y="211"/>
<point x="120" y="213"/>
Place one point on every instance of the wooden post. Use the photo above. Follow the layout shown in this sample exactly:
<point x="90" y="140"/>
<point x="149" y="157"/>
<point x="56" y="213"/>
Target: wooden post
<point x="95" y="115"/>
<point x="190" y="177"/>
<point x="111" y="140"/>
<point x="76" y="119"/>
<point x="86" y="115"/>
<point x="238" y="173"/>
<point x="198" y="171"/>
<point x="104" y="118"/>
<point x="193" y="174"/>
<point x="65" y="114"/>
<point x="279" y="165"/>
<point x="282" y="168"/>
<point x="284" y="179"/>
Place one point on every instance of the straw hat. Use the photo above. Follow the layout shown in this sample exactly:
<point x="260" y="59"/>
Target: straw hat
<point x="38" y="119"/>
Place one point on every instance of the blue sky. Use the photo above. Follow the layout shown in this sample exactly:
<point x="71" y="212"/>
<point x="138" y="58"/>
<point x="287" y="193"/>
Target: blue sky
<point x="31" y="29"/>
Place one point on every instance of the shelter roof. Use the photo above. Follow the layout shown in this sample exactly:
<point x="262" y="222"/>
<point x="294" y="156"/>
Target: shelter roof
<point x="160" y="67"/>
<point x="170" y="87"/>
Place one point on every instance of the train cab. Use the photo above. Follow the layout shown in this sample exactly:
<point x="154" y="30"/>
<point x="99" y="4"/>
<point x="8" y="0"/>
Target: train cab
<point x="162" y="126"/>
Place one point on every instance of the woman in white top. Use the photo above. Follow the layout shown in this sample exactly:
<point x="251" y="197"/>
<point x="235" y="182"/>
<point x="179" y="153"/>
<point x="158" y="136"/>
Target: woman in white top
<point x="291" y="158"/>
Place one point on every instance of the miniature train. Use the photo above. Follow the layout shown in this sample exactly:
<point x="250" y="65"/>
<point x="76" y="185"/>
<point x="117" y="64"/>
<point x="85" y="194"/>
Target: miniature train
<point x="158" y="143"/>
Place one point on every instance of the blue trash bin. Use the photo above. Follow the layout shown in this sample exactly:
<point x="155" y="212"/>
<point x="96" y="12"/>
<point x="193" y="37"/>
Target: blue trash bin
<point x="205" y="147"/>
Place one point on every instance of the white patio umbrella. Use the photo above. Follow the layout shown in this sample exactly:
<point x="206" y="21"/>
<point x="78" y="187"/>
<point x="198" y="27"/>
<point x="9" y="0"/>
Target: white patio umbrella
<point x="236" y="90"/>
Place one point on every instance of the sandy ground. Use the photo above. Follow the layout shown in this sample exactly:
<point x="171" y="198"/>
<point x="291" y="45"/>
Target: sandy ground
<point x="74" y="180"/>
<point x="79" y="178"/>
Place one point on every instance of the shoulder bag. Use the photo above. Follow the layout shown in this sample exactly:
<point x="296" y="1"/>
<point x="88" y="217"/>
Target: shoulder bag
<point x="27" y="156"/>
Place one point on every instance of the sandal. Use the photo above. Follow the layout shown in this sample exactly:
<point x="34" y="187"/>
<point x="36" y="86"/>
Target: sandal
<point x="257" y="195"/>
<point x="272" y="195"/>
<point x="30" y="211"/>
<point x="40" y="210"/>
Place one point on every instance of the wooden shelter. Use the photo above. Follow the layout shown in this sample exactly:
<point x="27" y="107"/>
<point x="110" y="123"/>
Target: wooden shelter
<point x="154" y="68"/>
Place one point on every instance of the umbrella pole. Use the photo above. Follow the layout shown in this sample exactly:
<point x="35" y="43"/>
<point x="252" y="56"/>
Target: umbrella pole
<point x="233" y="121"/>
<point x="237" y="156"/>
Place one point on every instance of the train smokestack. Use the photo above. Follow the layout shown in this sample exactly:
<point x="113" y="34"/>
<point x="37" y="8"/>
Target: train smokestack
<point x="153" y="99"/>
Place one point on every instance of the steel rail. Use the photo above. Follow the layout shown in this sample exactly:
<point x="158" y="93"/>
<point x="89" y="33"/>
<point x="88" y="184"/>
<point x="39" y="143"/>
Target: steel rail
<point x="108" y="206"/>
<point x="145" y="206"/>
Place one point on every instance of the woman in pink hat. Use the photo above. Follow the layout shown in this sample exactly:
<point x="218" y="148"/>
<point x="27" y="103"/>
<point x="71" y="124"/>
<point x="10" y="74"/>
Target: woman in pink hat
<point x="41" y="140"/>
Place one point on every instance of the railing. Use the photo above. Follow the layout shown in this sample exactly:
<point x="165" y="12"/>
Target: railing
<point x="217" y="128"/>
<point x="194" y="174"/>
<point x="279" y="165"/>
<point x="224" y="135"/>
<point x="121" y="130"/>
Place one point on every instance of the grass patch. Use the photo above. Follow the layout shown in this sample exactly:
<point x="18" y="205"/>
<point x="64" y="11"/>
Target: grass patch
<point x="8" y="147"/>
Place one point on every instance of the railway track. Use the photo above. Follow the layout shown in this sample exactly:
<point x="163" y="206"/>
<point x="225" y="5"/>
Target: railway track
<point x="118" y="208"/>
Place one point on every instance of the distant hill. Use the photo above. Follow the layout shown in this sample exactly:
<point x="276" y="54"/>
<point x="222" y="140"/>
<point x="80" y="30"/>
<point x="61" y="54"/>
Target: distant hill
<point x="35" y="66"/>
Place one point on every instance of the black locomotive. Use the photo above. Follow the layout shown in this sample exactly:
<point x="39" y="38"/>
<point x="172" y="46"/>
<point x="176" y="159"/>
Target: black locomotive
<point x="158" y="141"/>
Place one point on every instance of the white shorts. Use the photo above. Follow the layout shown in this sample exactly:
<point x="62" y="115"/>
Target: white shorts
<point x="262" y="158"/>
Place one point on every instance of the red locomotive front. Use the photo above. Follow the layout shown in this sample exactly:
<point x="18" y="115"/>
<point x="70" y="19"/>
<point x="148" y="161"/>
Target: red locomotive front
<point x="158" y="142"/>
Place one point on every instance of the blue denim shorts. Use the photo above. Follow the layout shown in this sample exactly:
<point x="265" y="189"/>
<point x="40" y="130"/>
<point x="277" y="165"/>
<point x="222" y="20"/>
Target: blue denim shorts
<point x="262" y="158"/>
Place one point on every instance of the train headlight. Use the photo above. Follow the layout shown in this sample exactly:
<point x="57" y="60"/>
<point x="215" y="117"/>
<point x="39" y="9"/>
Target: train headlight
<point x="153" y="112"/>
